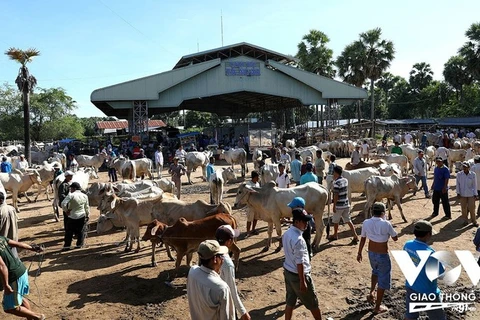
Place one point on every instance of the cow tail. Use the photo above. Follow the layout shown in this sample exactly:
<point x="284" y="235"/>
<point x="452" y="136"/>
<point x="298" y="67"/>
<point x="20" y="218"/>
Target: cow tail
<point x="134" y="171"/>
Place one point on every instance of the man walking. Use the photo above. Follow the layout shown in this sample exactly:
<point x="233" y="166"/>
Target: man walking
<point x="209" y="297"/>
<point x="378" y="231"/>
<point x="341" y="206"/>
<point x="319" y="166"/>
<point x="297" y="268"/>
<point x="422" y="286"/>
<point x="441" y="175"/>
<point x="419" y="169"/>
<point x="63" y="191"/>
<point x="467" y="192"/>
<point x="210" y="171"/>
<point x="251" y="221"/>
<point x="14" y="277"/>
<point x="476" y="168"/>
<point x="225" y="236"/>
<point x="177" y="171"/>
<point x="296" y="168"/>
<point x="159" y="161"/>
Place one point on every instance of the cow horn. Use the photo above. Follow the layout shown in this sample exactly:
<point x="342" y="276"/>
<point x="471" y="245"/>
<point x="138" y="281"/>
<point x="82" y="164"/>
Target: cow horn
<point x="154" y="231"/>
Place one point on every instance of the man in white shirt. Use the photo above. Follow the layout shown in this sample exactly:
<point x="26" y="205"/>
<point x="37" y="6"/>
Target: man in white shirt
<point x="420" y="171"/>
<point x="22" y="164"/>
<point x="159" y="161"/>
<point x="355" y="159"/>
<point x="282" y="181"/>
<point x="297" y="268"/>
<point x="365" y="150"/>
<point x="476" y="168"/>
<point x="443" y="153"/>
<point x="251" y="221"/>
<point x="378" y="231"/>
<point x="397" y="138"/>
<point x="467" y="192"/>
<point x="180" y="154"/>
<point x="408" y="138"/>
<point x="225" y="236"/>
<point x="285" y="158"/>
<point x="209" y="297"/>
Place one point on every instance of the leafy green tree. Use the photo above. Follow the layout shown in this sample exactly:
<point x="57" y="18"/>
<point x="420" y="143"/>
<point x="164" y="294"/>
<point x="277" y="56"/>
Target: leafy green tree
<point x="49" y="105"/>
<point x="400" y="106"/>
<point x="420" y="76"/>
<point x="471" y="50"/>
<point x="25" y="83"/>
<point x="386" y="83"/>
<point x="456" y="74"/>
<point x="314" y="55"/>
<point x="10" y="101"/>
<point x="89" y="125"/>
<point x="69" y="126"/>
<point x="200" y="119"/>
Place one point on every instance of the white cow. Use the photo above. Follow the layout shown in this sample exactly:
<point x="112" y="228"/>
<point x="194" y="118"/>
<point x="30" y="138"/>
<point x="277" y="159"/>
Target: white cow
<point x="268" y="172"/>
<point x="290" y="143"/>
<point x="356" y="179"/>
<point x="46" y="172"/>
<point x="430" y="156"/>
<point x="138" y="167"/>
<point x="196" y="159"/>
<point x="399" y="159"/>
<point x="269" y="204"/>
<point x="81" y="176"/>
<point x="236" y="156"/>
<point x="410" y="152"/>
<point x="454" y="156"/>
<point x="257" y="156"/>
<point x="391" y="188"/>
<point x="217" y="180"/>
<point x="95" y="161"/>
<point x="39" y="157"/>
<point x="469" y="154"/>
<point x="19" y="182"/>
<point x="165" y="184"/>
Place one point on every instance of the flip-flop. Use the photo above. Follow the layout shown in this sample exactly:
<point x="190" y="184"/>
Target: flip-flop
<point x="354" y="241"/>
<point x="383" y="309"/>
<point x="370" y="299"/>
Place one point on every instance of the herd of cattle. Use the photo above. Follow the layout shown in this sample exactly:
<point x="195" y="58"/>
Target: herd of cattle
<point x="133" y="203"/>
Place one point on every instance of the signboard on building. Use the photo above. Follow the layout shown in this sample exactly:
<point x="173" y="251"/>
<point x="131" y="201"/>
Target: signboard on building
<point x="136" y="138"/>
<point x="242" y="68"/>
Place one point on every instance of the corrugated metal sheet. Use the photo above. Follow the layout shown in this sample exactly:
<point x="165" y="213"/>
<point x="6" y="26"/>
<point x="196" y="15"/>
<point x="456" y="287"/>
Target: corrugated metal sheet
<point x="459" y="122"/>
<point x="406" y="121"/>
<point x="119" y="125"/>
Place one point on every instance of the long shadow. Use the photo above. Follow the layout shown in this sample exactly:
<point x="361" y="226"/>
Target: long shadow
<point x="256" y="267"/>
<point x="136" y="291"/>
<point x="28" y="222"/>
<point x="262" y="313"/>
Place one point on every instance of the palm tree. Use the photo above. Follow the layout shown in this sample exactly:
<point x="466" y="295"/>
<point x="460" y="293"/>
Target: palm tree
<point x="471" y="50"/>
<point x="420" y="76"/>
<point x="25" y="83"/>
<point x="379" y="53"/>
<point x="350" y="68"/>
<point x="366" y="58"/>
<point x="314" y="55"/>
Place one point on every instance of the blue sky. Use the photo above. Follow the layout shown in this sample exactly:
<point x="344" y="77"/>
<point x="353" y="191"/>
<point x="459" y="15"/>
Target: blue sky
<point x="89" y="44"/>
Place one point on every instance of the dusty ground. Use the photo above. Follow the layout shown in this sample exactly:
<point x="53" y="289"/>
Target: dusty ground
<point x="102" y="282"/>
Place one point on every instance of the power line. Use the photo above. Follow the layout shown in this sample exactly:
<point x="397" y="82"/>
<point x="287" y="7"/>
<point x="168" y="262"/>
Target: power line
<point x="134" y="28"/>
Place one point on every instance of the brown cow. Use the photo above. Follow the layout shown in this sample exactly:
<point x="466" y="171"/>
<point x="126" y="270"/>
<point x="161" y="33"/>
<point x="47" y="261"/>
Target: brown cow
<point x="362" y="164"/>
<point x="185" y="236"/>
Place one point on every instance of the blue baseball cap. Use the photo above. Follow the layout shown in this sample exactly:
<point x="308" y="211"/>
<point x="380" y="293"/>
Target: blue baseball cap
<point x="297" y="202"/>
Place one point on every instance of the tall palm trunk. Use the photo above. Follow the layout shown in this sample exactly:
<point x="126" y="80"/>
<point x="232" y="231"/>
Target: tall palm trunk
<point x="372" y="106"/>
<point x="26" y="114"/>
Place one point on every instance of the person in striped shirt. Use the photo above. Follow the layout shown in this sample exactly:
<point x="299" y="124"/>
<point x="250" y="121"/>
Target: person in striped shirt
<point x="341" y="206"/>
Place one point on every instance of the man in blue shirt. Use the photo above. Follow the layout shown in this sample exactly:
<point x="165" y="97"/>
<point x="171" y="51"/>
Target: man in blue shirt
<point x="296" y="167"/>
<point x="210" y="171"/>
<point x="441" y="175"/>
<point x="6" y="166"/>
<point x="423" y="234"/>
<point x="309" y="176"/>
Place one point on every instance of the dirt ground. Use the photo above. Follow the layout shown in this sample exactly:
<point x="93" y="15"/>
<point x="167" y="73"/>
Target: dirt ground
<point x="102" y="282"/>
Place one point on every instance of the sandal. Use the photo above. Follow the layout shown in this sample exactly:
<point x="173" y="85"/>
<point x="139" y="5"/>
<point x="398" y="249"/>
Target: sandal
<point x="382" y="309"/>
<point x="355" y="241"/>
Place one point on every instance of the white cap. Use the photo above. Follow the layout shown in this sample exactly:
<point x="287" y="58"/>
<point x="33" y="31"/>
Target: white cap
<point x="68" y="173"/>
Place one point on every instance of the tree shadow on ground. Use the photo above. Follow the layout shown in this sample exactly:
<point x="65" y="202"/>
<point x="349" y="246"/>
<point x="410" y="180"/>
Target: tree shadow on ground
<point x="120" y="287"/>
